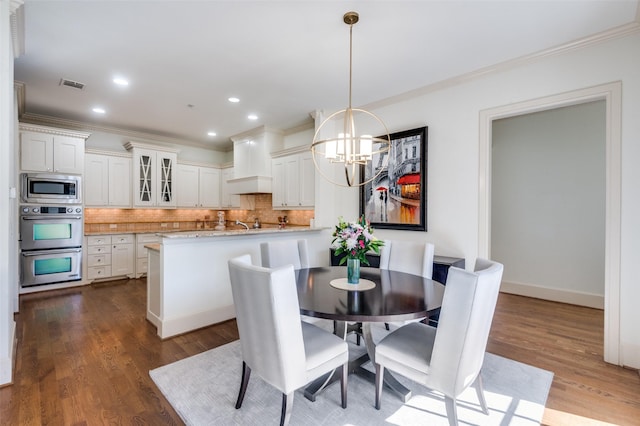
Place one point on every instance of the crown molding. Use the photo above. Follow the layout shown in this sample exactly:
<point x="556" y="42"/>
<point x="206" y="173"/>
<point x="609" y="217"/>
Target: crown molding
<point x="17" y="27"/>
<point x="108" y="152"/>
<point x="26" y="127"/>
<point x="308" y="124"/>
<point x="604" y="36"/>
<point x="290" y="151"/>
<point x="258" y="131"/>
<point x="133" y="144"/>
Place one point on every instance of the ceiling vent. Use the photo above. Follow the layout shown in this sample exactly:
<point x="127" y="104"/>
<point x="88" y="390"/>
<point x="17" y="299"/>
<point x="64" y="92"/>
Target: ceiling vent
<point x="71" y="83"/>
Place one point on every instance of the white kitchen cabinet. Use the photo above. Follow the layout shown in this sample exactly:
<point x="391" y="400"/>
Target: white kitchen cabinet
<point x="123" y="255"/>
<point x="228" y="200"/>
<point x="107" y="181"/>
<point x="45" y="149"/>
<point x="277" y="183"/>
<point x="98" y="250"/>
<point x="110" y="256"/>
<point x="141" y="252"/>
<point x="197" y="186"/>
<point x="293" y="182"/>
<point x="153" y="176"/>
<point x="307" y="180"/>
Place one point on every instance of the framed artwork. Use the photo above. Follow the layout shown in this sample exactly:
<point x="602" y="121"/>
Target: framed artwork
<point x="397" y="197"/>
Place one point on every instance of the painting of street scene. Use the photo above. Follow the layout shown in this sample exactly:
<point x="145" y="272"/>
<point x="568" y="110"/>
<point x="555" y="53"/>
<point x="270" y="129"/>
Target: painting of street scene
<point x="396" y="197"/>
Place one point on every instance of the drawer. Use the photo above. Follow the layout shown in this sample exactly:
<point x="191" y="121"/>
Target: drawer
<point x="98" y="260"/>
<point x="122" y="239"/>
<point x="99" y="249"/>
<point x="98" y="240"/>
<point x="97" y="272"/>
<point x="148" y="238"/>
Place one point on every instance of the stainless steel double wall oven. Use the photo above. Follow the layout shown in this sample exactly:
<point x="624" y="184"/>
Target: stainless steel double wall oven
<point x="51" y="234"/>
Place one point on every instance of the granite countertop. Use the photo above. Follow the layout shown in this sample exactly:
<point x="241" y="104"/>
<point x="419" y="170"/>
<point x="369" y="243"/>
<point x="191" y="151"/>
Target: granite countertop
<point x="235" y="232"/>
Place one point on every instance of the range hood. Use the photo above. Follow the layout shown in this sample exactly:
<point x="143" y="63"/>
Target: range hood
<point x="250" y="185"/>
<point x="252" y="160"/>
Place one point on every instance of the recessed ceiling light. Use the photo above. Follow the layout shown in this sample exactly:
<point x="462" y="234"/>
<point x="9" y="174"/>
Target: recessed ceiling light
<point x="211" y="133"/>
<point x="252" y="117"/>
<point x="234" y="100"/>
<point x="99" y="110"/>
<point x="121" y="81"/>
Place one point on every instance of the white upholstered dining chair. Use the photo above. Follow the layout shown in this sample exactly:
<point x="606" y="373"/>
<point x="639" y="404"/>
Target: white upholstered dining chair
<point x="285" y="252"/>
<point x="449" y="358"/>
<point x="411" y="257"/>
<point x="276" y="345"/>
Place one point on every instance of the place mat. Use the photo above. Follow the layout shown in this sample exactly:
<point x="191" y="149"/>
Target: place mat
<point x="342" y="284"/>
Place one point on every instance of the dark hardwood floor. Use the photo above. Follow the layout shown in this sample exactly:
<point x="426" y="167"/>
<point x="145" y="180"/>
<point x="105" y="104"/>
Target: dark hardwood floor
<point x="84" y="357"/>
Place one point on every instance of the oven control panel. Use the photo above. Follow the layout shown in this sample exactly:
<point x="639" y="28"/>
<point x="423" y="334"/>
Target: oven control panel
<point x="44" y="210"/>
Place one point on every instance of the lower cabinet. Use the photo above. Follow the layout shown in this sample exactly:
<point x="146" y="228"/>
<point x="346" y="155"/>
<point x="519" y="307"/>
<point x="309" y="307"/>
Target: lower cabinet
<point x="141" y="252"/>
<point x="123" y="255"/>
<point x="98" y="257"/>
<point x="110" y="256"/>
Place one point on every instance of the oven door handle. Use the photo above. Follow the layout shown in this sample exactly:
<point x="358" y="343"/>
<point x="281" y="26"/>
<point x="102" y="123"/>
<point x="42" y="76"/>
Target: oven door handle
<point x="55" y="251"/>
<point x="51" y="217"/>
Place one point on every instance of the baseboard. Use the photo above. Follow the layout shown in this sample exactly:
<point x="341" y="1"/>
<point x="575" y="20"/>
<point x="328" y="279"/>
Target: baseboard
<point x="554" y="294"/>
<point x="56" y="286"/>
<point x="170" y="327"/>
<point x="8" y="364"/>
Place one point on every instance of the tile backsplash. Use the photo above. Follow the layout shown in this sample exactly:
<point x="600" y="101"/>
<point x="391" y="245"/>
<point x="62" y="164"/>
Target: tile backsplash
<point x="158" y="220"/>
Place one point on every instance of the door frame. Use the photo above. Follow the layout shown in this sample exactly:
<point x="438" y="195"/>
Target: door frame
<point x="611" y="93"/>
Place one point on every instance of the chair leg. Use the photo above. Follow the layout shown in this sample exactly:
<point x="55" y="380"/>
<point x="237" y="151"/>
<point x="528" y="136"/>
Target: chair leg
<point x="379" y="380"/>
<point x="246" y="373"/>
<point x="452" y="413"/>
<point x="343" y="384"/>
<point x="480" y="393"/>
<point x="287" y="403"/>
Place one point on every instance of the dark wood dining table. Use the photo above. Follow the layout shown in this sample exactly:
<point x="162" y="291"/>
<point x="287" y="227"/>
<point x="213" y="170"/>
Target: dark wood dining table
<point x="396" y="297"/>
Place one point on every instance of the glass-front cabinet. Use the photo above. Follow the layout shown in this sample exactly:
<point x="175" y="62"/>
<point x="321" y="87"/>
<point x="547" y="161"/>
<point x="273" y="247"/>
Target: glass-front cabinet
<point x="153" y="176"/>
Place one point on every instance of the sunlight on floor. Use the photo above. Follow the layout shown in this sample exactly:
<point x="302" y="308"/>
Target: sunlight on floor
<point x="562" y="418"/>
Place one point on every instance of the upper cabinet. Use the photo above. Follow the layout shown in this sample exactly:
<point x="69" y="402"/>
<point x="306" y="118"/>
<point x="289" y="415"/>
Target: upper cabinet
<point x="107" y="180"/>
<point x="51" y="150"/>
<point x="153" y="175"/>
<point x="197" y="186"/>
<point x="293" y="181"/>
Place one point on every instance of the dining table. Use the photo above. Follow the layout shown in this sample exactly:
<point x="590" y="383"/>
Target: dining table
<point x="381" y="296"/>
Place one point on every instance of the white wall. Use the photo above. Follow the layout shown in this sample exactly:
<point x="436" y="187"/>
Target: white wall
<point x="115" y="142"/>
<point x="452" y="114"/>
<point x="300" y="138"/>
<point x="8" y="207"/>
<point x="548" y="199"/>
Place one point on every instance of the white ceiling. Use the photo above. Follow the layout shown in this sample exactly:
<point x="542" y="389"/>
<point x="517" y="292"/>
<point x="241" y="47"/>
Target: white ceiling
<point x="283" y="59"/>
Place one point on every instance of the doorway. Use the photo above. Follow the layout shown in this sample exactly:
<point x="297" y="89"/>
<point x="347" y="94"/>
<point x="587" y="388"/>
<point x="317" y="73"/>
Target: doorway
<point x="548" y="203"/>
<point x="611" y="95"/>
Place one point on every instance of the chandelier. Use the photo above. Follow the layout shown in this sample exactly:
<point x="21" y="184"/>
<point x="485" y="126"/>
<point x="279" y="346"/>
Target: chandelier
<point x="351" y="146"/>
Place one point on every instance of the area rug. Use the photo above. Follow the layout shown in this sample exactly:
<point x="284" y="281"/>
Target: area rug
<point x="203" y="391"/>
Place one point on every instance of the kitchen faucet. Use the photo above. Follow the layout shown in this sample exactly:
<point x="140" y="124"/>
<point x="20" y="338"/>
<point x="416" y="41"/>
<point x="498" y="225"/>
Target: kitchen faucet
<point x="243" y="224"/>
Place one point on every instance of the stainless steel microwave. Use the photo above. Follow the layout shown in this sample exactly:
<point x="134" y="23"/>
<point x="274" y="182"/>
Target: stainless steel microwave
<point x="51" y="188"/>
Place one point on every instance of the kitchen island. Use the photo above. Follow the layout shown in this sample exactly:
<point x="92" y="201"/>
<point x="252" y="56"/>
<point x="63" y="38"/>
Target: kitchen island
<point x="188" y="283"/>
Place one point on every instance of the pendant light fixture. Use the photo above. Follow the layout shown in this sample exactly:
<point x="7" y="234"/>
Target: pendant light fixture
<point x="351" y="146"/>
